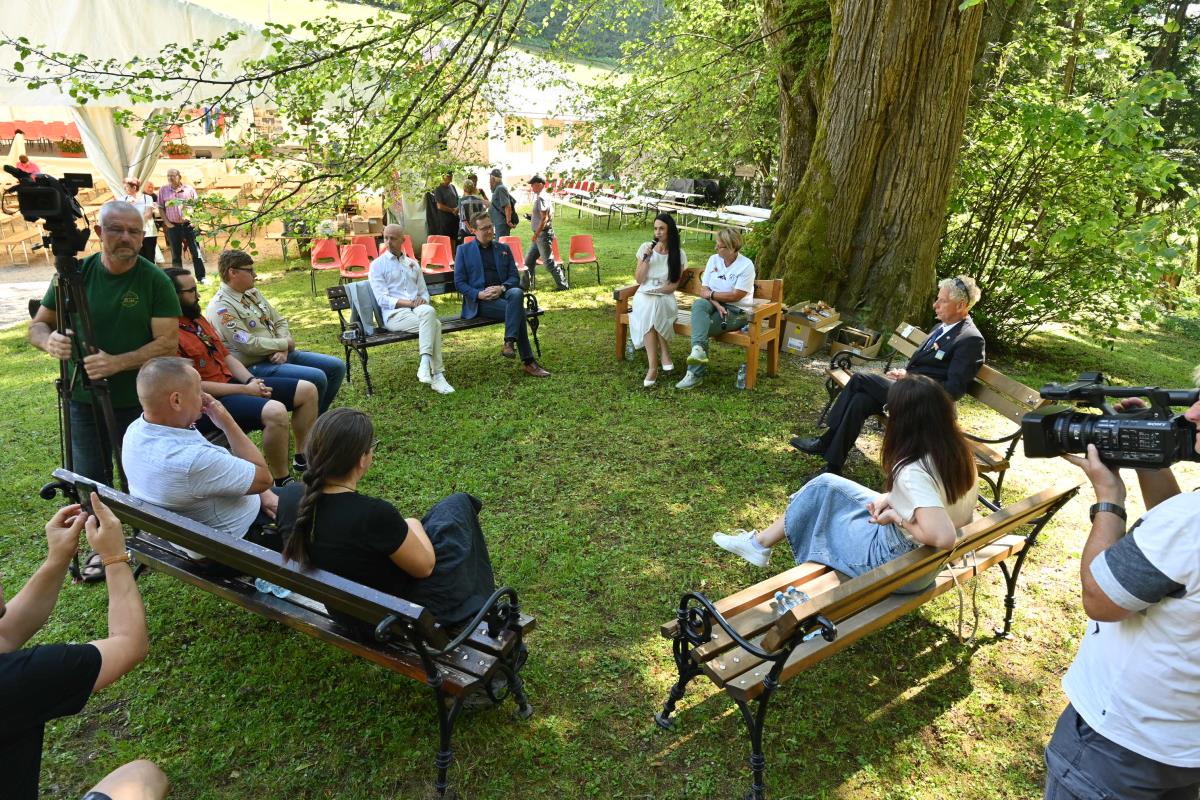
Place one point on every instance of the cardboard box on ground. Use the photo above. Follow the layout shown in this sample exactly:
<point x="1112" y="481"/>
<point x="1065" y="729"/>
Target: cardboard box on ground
<point x="864" y="341"/>
<point x="807" y="326"/>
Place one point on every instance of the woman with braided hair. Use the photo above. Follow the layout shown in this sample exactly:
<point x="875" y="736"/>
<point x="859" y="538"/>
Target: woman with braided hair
<point x="440" y="562"/>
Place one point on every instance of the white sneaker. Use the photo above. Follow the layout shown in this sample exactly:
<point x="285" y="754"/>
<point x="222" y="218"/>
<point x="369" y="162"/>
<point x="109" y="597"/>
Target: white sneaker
<point x="424" y="374"/>
<point x="690" y="380"/>
<point x="742" y="543"/>
<point x="698" y="355"/>
<point x="440" y="385"/>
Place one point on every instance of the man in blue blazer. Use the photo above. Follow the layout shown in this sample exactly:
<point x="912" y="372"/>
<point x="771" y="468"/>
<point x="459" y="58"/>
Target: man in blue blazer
<point x="485" y="274"/>
<point x="951" y="355"/>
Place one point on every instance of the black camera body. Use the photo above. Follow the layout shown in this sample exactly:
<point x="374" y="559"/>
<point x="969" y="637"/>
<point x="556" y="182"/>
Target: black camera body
<point x="1150" y="437"/>
<point x="44" y="197"/>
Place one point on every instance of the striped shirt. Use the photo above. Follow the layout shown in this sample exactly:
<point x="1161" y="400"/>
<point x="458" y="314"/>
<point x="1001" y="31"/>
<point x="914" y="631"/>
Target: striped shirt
<point x="174" y="202"/>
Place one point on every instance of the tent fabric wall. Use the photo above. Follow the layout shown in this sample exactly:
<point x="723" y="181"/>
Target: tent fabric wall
<point x="113" y="150"/>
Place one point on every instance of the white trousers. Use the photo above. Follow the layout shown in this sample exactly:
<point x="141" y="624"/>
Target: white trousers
<point x="424" y="321"/>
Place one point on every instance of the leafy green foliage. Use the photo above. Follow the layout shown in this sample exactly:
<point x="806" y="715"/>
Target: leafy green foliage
<point x="1063" y="208"/>
<point x="698" y="97"/>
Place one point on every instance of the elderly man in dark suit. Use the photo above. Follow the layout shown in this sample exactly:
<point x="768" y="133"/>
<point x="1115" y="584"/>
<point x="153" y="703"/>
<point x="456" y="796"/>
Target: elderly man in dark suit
<point x="485" y="274"/>
<point x="952" y="356"/>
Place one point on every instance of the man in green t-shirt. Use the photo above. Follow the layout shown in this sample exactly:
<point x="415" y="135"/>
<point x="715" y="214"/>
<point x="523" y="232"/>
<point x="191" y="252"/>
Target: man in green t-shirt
<point x="134" y="310"/>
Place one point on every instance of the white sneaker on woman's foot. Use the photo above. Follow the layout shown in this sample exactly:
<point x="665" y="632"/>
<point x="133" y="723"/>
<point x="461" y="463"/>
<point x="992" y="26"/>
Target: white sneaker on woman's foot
<point x="441" y="385"/>
<point x="743" y="544"/>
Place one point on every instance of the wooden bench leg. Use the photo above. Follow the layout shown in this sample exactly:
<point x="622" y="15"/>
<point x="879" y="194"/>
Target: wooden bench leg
<point x="752" y="366"/>
<point x="773" y="355"/>
<point x="621" y="336"/>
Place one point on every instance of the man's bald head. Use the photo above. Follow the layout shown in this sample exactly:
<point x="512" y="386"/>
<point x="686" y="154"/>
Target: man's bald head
<point x="169" y="390"/>
<point x="393" y="238"/>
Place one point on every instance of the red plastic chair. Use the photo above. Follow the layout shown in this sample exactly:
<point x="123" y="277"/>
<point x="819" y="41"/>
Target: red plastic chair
<point x="325" y="255"/>
<point x="56" y="131"/>
<point x="468" y="239"/>
<point x="368" y="242"/>
<point x="355" y="263"/>
<point x="435" y="257"/>
<point x="514" y="244"/>
<point x="553" y="249"/>
<point x="73" y="132"/>
<point x="583" y="251"/>
<point x="407" y="247"/>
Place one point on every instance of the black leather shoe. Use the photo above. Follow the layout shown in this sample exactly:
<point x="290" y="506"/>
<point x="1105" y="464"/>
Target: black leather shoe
<point x="808" y="444"/>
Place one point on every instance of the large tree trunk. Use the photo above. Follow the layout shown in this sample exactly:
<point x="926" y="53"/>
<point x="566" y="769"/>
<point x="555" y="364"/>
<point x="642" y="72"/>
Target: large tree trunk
<point x="861" y="229"/>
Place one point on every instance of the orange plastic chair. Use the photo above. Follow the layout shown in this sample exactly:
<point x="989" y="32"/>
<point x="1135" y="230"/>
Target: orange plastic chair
<point x="407" y="247"/>
<point x="355" y="263"/>
<point x="369" y="243"/>
<point x="435" y="257"/>
<point x="557" y="258"/>
<point x="583" y="251"/>
<point x="325" y="255"/>
<point x="514" y="244"/>
<point x="468" y="239"/>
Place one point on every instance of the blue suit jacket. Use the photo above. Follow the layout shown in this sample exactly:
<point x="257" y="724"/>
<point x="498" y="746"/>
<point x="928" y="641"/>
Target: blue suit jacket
<point x="468" y="274"/>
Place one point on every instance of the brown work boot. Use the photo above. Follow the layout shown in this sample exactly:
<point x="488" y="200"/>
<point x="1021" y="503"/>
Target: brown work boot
<point x="535" y="369"/>
<point x="508" y="351"/>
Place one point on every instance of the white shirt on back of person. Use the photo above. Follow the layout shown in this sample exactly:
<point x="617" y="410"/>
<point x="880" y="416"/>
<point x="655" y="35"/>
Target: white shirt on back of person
<point x="178" y="469"/>
<point x="1136" y="682"/>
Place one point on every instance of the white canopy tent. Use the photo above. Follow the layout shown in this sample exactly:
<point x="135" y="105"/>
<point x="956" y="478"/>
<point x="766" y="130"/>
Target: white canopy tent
<point x="105" y="29"/>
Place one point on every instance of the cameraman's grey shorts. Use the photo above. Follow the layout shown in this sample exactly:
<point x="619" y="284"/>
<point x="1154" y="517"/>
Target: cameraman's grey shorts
<point x="96" y="796"/>
<point x="1083" y="765"/>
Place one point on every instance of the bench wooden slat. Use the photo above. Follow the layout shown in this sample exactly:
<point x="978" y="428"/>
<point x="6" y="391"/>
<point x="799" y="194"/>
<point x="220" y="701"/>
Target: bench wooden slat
<point x="295" y="616"/>
<point x="763" y="590"/>
<point x="866" y="622"/>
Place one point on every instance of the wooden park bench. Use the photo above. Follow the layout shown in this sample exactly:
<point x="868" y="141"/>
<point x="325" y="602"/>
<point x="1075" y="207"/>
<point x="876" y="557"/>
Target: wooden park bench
<point x="748" y="649"/>
<point x="1007" y="397"/>
<point x="484" y="657"/>
<point x="762" y="332"/>
<point x="354" y="336"/>
<point x="22" y="238"/>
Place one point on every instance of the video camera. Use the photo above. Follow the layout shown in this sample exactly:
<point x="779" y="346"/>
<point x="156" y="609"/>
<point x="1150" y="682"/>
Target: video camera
<point x="1149" y="437"/>
<point x="44" y="197"/>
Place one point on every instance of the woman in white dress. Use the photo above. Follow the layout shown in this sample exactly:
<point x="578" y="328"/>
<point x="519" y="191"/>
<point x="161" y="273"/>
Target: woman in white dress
<point x="652" y="320"/>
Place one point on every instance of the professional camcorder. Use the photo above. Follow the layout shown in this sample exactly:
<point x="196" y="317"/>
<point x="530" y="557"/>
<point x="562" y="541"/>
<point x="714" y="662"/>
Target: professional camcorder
<point x="1148" y="437"/>
<point x="44" y="197"/>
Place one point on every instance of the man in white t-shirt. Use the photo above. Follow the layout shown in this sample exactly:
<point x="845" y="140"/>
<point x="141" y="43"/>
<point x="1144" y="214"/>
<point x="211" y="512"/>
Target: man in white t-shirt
<point x="169" y="463"/>
<point x="726" y="301"/>
<point x="1132" y="728"/>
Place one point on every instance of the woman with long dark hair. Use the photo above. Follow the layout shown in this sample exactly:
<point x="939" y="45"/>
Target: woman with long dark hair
<point x="440" y="562"/>
<point x="661" y="262"/>
<point x="929" y="492"/>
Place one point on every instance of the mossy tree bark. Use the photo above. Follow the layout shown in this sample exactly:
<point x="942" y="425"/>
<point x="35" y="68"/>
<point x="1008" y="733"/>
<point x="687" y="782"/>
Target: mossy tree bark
<point x="861" y="227"/>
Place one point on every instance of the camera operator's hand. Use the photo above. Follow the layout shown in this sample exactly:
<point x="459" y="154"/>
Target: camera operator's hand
<point x="59" y="344"/>
<point x="1106" y="481"/>
<point x="104" y="531"/>
<point x="62" y="533"/>
<point x="101" y="365"/>
<point x="1129" y="404"/>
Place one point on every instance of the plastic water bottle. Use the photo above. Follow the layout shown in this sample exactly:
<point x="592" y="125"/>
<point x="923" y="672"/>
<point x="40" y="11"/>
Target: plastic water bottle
<point x="779" y="604"/>
<point x="629" y="349"/>
<point x="741" y="378"/>
<point x="795" y="596"/>
<point x="267" y="587"/>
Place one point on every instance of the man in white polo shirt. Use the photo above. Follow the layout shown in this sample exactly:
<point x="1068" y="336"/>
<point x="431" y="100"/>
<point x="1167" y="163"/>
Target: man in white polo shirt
<point x="725" y="304"/>
<point x="1132" y="728"/>
<point x="169" y="463"/>
<point x="399" y="288"/>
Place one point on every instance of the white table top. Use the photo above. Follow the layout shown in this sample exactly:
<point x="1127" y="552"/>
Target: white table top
<point x="750" y="211"/>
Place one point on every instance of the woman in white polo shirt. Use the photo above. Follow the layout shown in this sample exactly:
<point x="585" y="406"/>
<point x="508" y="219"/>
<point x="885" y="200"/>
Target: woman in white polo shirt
<point x="726" y="301"/>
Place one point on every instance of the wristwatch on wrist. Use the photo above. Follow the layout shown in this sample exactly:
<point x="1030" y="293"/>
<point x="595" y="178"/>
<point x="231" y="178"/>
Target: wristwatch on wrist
<point x="126" y="557"/>
<point x="1112" y="508"/>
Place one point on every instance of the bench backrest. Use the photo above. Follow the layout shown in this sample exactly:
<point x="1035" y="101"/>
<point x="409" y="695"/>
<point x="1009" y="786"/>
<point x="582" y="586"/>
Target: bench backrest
<point x="767" y="289"/>
<point x="867" y="589"/>
<point x="993" y="388"/>
<point x="362" y="602"/>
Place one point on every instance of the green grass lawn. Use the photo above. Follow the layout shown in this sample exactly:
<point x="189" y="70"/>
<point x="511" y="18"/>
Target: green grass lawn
<point x="599" y="501"/>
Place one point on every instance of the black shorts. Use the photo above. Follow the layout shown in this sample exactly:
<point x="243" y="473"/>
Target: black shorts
<point x="96" y="796"/>
<point x="247" y="410"/>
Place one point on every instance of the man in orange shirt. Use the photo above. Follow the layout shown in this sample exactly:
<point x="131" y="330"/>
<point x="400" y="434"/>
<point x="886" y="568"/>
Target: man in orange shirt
<point x="255" y="403"/>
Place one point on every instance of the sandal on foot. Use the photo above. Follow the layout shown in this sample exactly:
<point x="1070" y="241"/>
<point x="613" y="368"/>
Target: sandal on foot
<point x="92" y="570"/>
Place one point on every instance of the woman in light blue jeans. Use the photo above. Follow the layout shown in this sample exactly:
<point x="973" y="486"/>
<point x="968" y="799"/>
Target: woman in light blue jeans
<point x="928" y="494"/>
